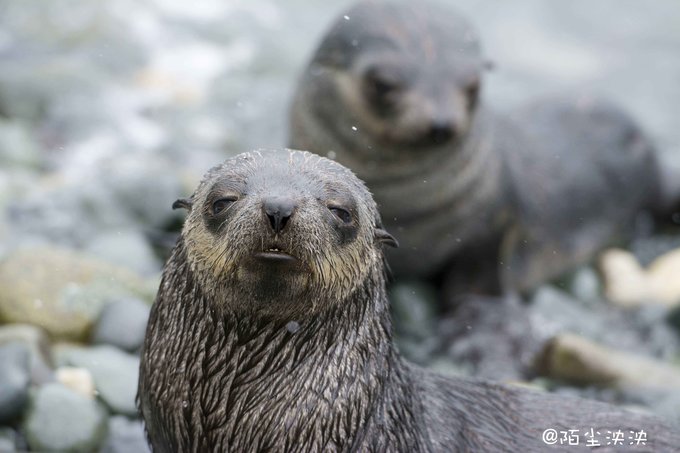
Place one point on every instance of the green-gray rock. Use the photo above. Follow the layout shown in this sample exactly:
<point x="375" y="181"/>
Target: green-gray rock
<point x="60" y="290"/>
<point x="115" y="375"/>
<point x="60" y="419"/>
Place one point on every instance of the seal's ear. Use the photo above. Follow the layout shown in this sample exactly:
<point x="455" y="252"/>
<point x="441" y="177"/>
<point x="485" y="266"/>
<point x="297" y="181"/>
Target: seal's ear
<point x="382" y="236"/>
<point x="488" y="65"/>
<point x="185" y="203"/>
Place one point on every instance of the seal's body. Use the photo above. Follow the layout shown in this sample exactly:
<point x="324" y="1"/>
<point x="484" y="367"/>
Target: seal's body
<point x="271" y="331"/>
<point x="393" y="93"/>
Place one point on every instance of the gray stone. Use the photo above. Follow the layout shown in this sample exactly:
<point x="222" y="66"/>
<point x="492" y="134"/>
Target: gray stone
<point x="60" y="419"/>
<point x="127" y="248"/>
<point x="39" y="346"/>
<point x="125" y="436"/>
<point x="61" y="290"/>
<point x="14" y="380"/>
<point x="7" y="440"/>
<point x="122" y="324"/>
<point x="115" y="375"/>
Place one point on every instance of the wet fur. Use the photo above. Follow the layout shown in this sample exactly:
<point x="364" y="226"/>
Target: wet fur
<point x="220" y="372"/>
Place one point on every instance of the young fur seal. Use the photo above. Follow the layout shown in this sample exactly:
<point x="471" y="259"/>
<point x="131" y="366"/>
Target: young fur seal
<point x="271" y="332"/>
<point x="393" y="92"/>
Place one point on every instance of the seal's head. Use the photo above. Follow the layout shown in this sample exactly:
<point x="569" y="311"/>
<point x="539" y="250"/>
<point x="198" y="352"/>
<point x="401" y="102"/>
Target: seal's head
<point x="406" y="75"/>
<point x="281" y="233"/>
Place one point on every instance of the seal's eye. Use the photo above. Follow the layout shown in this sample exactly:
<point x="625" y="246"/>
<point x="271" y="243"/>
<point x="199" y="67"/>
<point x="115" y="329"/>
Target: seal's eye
<point x="381" y="85"/>
<point x="341" y="214"/>
<point x="222" y="204"/>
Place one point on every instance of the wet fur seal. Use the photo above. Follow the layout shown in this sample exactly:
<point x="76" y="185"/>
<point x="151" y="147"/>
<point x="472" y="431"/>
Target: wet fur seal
<point x="271" y="332"/>
<point x="487" y="202"/>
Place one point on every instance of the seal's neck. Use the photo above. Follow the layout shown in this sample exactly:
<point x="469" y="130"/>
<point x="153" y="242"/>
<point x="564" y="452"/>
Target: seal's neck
<point x="331" y="379"/>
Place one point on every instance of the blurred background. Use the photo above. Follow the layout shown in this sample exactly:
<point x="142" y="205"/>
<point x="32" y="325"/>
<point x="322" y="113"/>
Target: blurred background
<point x="110" y="110"/>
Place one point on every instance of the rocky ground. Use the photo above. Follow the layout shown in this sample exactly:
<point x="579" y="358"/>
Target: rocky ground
<point x="111" y="110"/>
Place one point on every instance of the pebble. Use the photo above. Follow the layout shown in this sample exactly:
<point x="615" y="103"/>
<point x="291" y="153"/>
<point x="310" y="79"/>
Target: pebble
<point x="39" y="346"/>
<point x="125" y="436"/>
<point x="126" y="248"/>
<point x="15" y="378"/>
<point x="115" y="375"/>
<point x="122" y="324"/>
<point x="628" y="284"/>
<point x="60" y="419"/>
<point x="77" y="379"/>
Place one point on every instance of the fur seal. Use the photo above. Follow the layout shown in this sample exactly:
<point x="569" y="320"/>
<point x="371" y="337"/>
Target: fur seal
<point x="393" y="92"/>
<point x="271" y="332"/>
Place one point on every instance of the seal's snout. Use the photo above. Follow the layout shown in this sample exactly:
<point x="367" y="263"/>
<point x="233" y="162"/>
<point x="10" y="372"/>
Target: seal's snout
<point x="279" y="210"/>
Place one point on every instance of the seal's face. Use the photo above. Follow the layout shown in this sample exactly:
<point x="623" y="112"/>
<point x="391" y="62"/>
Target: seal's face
<point x="281" y="233"/>
<point x="403" y="102"/>
<point x="405" y="76"/>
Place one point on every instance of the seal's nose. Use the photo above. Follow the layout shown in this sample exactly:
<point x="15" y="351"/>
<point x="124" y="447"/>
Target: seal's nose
<point x="278" y="210"/>
<point x="441" y="131"/>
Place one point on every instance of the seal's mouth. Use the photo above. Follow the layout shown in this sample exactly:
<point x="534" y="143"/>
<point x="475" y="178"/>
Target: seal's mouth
<point x="275" y="255"/>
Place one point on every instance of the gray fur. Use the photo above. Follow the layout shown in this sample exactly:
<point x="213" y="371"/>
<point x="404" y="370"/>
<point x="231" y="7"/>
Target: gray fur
<point x="223" y="370"/>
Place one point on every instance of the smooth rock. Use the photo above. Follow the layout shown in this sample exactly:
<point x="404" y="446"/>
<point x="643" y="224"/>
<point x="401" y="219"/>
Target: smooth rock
<point x="125" y="436"/>
<point x="578" y="360"/>
<point x="628" y="284"/>
<point x="77" y="379"/>
<point x="126" y="248"/>
<point x="664" y="277"/>
<point x="60" y="419"/>
<point x="115" y="375"/>
<point x="122" y="324"/>
<point x="15" y="378"/>
<point x="60" y="290"/>
<point x="38" y="344"/>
